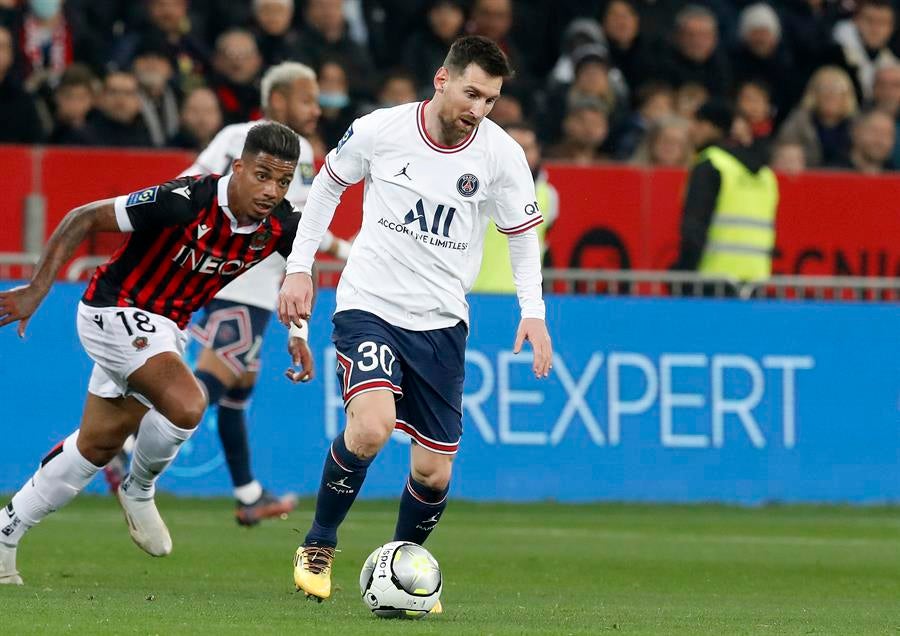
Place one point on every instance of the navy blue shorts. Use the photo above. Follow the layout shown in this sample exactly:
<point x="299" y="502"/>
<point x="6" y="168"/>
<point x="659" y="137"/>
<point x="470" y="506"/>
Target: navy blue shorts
<point x="424" y="370"/>
<point x="234" y="331"/>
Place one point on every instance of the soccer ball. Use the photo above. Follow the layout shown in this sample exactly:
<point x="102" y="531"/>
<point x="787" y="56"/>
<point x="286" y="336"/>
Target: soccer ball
<point x="400" y="580"/>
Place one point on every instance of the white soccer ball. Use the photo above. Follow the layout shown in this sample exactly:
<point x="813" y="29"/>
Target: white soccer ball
<point x="400" y="580"/>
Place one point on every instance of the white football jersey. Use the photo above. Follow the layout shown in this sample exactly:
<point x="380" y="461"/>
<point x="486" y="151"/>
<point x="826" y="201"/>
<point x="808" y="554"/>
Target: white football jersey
<point x="425" y="211"/>
<point x="260" y="285"/>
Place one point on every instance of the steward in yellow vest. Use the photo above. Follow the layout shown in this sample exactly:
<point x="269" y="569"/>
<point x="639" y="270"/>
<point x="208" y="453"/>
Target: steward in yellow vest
<point x="728" y="224"/>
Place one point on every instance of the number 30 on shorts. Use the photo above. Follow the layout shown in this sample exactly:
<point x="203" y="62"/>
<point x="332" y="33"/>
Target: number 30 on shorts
<point x="373" y="355"/>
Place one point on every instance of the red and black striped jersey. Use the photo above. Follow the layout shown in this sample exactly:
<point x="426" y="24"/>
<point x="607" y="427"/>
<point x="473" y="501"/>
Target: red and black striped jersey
<point x="185" y="246"/>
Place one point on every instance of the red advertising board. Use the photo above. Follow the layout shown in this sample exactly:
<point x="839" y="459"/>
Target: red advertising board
<point x="610" y="216"/>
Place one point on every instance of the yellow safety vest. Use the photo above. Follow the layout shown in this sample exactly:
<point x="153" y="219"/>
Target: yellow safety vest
<point x="741" y="235"/>
<point x="496" y="276"/>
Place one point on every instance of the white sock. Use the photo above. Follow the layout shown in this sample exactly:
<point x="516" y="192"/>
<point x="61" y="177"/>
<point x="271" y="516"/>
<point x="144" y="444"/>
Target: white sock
<point x="62" y="475"/>
<point x="248" y="493"/>
<point x="157" y="445"/>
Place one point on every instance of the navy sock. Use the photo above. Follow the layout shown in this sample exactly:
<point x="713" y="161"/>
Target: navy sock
<point x="420" y="510"/>
<point x="232" y="424"/>
<point x="213" y="386"/>
<point x="342" y="477"/>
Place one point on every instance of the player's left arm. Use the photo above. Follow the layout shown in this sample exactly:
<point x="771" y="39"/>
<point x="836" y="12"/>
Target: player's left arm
<point x="516" y="214"/>
<point x="21" y="302"/>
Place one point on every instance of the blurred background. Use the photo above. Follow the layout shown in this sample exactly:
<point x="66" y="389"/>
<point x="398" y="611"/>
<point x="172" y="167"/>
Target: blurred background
<point x="722" y="246"/>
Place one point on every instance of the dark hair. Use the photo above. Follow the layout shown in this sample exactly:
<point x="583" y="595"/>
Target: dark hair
<point x="77" y="75"/>
<point x="273" y="139"/>
<point x="521" y="125"/>
<point x="476" y="49"/>
<point x="874" y="4"/>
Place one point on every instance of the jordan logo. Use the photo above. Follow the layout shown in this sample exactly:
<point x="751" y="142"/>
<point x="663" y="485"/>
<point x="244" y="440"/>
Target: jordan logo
<point x="340" y="486"/>
<point x="434" y="519"/>
<point x="403" y="172"/>
<point x="429" y="524"/>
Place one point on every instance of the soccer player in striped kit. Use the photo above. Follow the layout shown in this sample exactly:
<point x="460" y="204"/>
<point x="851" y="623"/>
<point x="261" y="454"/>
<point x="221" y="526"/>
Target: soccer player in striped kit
<point x="186" y="239"/>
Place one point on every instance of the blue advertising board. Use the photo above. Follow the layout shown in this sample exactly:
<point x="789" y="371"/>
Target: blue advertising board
<point x="648" y="400"/>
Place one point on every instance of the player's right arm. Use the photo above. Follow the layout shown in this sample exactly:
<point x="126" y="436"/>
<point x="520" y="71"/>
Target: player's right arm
<point x="345" y="165"/>
<point x="21" y="303"/>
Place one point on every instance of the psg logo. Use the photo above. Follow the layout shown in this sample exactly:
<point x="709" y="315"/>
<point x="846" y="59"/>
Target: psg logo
<point x="467" y="185"/>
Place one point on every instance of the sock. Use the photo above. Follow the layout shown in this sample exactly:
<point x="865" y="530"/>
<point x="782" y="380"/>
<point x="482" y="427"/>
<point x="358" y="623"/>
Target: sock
<point x="248" y="493"/>
<point x="63" y="473"/>
<point x="233" y="434"/>
<point x="342" y="477"/>
<point x="156" y="446"/>
<point x="212" y="385"/>
<point x="420" y="510"/>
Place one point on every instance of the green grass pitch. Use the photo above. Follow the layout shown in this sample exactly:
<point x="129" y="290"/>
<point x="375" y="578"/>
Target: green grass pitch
<point x="509" y="569"/>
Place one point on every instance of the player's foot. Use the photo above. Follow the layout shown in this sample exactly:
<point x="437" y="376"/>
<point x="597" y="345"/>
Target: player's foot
<point x="267" y="506"/>
<point x="114" y="472"/>
<point x="312" y="570"/>
<point x="8" y="573"/>
<point x="146" y="527"/>
<point x="437" y="609"/>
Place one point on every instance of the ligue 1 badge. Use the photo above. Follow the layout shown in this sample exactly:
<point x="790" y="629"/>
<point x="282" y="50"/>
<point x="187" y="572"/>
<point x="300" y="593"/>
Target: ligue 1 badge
<point x="467" y="185"/>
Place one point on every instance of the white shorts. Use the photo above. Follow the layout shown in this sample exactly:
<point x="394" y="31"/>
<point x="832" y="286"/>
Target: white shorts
<point x="120" y="340"/>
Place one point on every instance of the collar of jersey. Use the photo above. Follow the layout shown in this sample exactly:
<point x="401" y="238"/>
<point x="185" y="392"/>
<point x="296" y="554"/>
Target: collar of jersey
<point x="223" y="205"/>
<point x="431" y="143"/>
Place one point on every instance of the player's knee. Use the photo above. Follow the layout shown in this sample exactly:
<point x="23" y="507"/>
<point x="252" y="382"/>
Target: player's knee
<point x="367" y="436"/>
<point x="436" y="477"/>
<point x="189" y="412"/>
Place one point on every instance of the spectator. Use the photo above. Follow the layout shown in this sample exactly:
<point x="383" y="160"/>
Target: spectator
<point x="201" y="119"/>
<point x="236" y="82"/>
<point x="326" y="38"/>
<point x="592" y="82"/>
<point x="873" y="135"/>
<point x="507" y="111"/>
<point x="585" y="129"/>
<point x="187" y="52"/>
<point x="886" y="97"/>
<point x="275" y="36"/>
<point x="763" y="56"/>
<point x="821" y="123"/>
<point x="426" y="49"/>
<point x="864" y="42"/>
<point x="580" y="32"/>
<point x="397" y="87"/>
<point x="159" y="104"/>
<point x="688" y="98"/>
<point x="754" y="105"/>
<point x="666" y="145"/>
<point x="496" y="276"/>
<point x="46" y="44"/>
<point x="19" y="122"/>
<point x="628" y="49"/>
<point x="696" y="56"/>
<point x="74" y="100"/>
<point x="728" y="223"/>
<point x="788" y="158"/>
<point x="117" y="120"/>
<point x="654" y="101"/>
<point x="337" y="111"/>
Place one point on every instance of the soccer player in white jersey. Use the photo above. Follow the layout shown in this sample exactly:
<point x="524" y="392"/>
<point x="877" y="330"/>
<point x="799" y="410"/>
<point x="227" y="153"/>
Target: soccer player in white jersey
<point x="231" y="327"/>
<point x="435" y="173"/>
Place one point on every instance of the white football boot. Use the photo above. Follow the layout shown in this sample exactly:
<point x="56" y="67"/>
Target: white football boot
<point x="8" y="573"/>
<point x="146" y="527"/>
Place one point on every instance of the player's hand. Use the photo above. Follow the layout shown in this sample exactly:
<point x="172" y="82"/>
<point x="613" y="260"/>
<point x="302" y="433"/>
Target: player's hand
<point x="534" y="330"/>
<point x="19" y="304"/>
<point x="295" y="299"/>
<point x="301" y="357"/>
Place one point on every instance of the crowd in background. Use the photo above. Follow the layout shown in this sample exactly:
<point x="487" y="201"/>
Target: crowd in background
<point x="815" y="83"/>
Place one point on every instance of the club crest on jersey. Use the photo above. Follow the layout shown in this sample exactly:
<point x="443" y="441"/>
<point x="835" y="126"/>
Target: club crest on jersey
<point x="261" y="238"/>
<point x="344" y="139"/>
<point x="147" y="195"/>
<point x="467" y="185"/>
<point x="140" y="343"/>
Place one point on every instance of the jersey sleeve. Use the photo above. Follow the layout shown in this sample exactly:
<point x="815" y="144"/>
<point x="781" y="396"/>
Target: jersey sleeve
<point x="515" y="207"/>
<point x="155" y="207"/>
<point x="348" y="162"/>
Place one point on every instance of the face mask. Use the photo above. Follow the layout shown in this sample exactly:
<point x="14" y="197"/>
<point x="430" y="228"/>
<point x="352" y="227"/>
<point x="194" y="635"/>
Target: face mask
<point x="333" y="100"/>
<point x="44" y="9"/>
